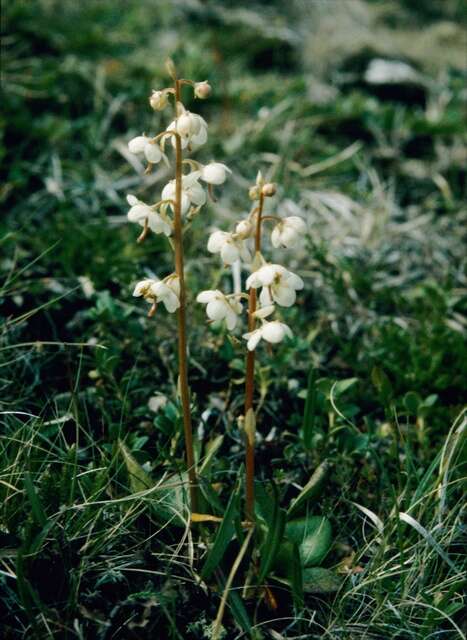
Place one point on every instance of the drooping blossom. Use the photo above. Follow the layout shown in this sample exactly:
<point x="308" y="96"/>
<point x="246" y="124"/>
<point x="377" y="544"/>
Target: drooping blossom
<point x="140" y="212"/>
<point x="214" y="173"/>
<point x="219" y="307"/>
<point x="193" y="193"/>
<point x="278" y="284"/>
<point x="273" y="332"/>
<point x="288" y="232"/>
<point x="166" y="291"/>
<point x="144" y="145"/>
<point x="229" y="247"/>
<point x="191" y="127"/>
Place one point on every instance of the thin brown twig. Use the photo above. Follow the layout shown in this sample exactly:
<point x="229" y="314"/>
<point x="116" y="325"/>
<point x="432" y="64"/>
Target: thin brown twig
<point x="250" y="384"/>
<point x="182" y="341"/>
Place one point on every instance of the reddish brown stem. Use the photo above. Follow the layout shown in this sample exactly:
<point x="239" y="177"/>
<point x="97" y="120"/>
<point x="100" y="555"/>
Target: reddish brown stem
<point x="250" y="386"/>
<point x="182" y="342"/>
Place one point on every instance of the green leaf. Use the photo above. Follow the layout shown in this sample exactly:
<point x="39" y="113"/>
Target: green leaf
<point x="382" y="384"/>
<point x="324" y="386"/>
<point x="210" y="496"/>
<point x="36" y="505"/>
<point x="212" y="447"/>
<point x="224" y="536"/>
<point x="265" y="503"/>
<point x="313" y="535"/>
<point x="312" y="488"/>
<point x="412" y="402"/>
<point x="288" y="567"/>
<point x="237" y="608"/>
<point x="139" y="478"/>
<point x="309" y="412"/>
<point x="171" y="501"/>
<point x="343" y="385"/>
<point x="273" y="532"/>
<point x="430" y="400"/>
<point x="320" y="580"/>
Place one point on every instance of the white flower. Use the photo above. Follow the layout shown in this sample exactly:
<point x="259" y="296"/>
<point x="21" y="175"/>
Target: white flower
<point x="288" y="232"/>
<point x="140" y="212"/>
<point x="214" y="173"/>
<point x="279" y="284"/>
<point x="191" y="127"/>
<point x="166" y="291"/>
<point x="230" y="248"/>
<point x="192" y="192"/>
<point x="272" y="332"/>
<point x="219" y="307"/>
<point x="158" y="100"/>
<point x="143" y="144"/>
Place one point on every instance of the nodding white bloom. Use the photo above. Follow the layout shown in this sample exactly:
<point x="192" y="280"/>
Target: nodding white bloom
<point x="214" y="173"/>
<point x="192" y="192"/>
<point x="279" y="284"/>
<point x="143" y="144"/>
<point x="166" y="291"/>
<point x="158" y="100"/>
<point x="140" y="212"/>
<point x="191" y="127"/>
<point x="219" y="307"/>
<point x="288" y="232"/>
<point x="230" y="248"/>
<point x="272" y="332"/>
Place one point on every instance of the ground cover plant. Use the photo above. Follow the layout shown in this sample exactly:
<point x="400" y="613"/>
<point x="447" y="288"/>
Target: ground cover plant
<point x="359" y="416"/>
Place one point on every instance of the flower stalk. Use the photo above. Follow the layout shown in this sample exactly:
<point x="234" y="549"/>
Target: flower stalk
<point x="181" y="315"/>
<point x="181" y="199"/>
<point x="278" y="286"/>
<point x="250" y="386"/>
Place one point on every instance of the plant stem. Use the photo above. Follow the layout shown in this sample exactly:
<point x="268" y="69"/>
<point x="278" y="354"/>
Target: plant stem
<point x="182" y="345"/>
<point x="250" y="385"/>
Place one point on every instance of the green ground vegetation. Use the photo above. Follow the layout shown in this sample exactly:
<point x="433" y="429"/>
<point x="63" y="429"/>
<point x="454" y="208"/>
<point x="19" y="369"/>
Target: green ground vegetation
<point x="361" y="430"/>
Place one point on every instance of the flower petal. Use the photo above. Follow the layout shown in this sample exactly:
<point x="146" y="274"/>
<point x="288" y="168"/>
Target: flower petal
<point x="283" y="295"/>
<point x="217" y="240"/>
<point x="171" y="302"/>
<point x="276" y="236"/>
<point x="132" y="200"/>
<point x="216" y="310"/>
<point x="265" y="311"/>
<point x="231" y="319"/>
<point x="206" y="296"/>
<point x="294" y="281"/>
<point x="137" y="145"/>
<point x="273" y="331"/>
<point x="152" y="152"/>
<point x="253" y="338"/>
<point x="229" y="253"/>
<point x="265" y="297"/>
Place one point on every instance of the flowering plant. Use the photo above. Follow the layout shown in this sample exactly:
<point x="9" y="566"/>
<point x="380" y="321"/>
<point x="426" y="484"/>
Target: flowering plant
<point x="181" y="198"/>
<point x="278" y="286"/>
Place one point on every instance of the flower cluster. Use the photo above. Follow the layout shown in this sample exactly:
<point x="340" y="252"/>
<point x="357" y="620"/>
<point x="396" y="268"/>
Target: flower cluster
<point x="192" y="131"/>
<point x="277" y="285"/>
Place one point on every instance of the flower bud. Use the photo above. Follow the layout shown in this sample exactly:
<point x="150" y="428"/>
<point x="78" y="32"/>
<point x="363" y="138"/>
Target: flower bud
<point x="170" y="68"/>
<point x="244" y="229"/>
<point x="254" y="193"/>
<point x="158" y="100"/>
<point x="269" y="189"/>
<point x="202" y="90"/>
